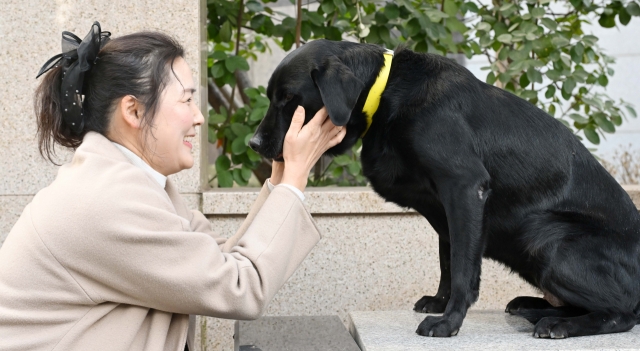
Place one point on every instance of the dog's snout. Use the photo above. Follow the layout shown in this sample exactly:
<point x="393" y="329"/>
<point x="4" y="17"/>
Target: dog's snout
<point x="255" y="142"/>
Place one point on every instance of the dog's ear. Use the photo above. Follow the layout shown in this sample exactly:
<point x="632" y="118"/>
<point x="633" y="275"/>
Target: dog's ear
<point x="339" y="89"/>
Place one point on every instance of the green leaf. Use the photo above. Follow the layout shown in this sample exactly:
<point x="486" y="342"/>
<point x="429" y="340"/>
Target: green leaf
<point x="240" y="130"/>
<point x="534" y="75"/>
<point x="392" y="11"/>
<point x="624" y="17"/>
<point x="633" y="9"/>
<point x="245" y="172"/>
<point x="471" y="7"/>
<point x="524" y="81"/>
<point x="537" y="12"/>
<point x="218" y="55"/>
<point x="491" y="78"/>
<point x="604" y="123"/>
<point x="222" y="163"/>
<point x="342" y="160"/>
<point x="217" y="70"/>
<point x="225" y="31"/>
<point x="327" y="7"/>
<point x="483" y="26"/>
<point x="632" y="111"/>
<point x="254" y="6"/>
<point x="476" y="48"/>
<point x="354" y="168"/>
<point x="559" y="41"/>
<point x="576" y="52"/>
<point x="503" y="54"/>
<point x="238" y="146"/>
<point x="551" y="91"/>
<point x="216" y="118"/>
<point x="568" y="85"/>
<point x="579" y="118"/>
<point x="607" y="21"/>
<point x="287" y="41"/>
<point x="603" y="80"/>
<point x="591" y="135"/>
<point x="549" y="23"/>
<point x="504" y="77"/>
<point x="247" y="138"/>
<point x="337" y="172"/>
<point x="616" y="119"/>
<point x="590" y="40"/>
<point x="258" y="114"/>
<point x="234" y="63"/>
<point x="505" y="38"/>
<point x="253" y="156"/>
<point x="225" y="179"/>
<point x="237" y="176"/>
<point x="554" y="75"/>
<point x="450" y="8"/>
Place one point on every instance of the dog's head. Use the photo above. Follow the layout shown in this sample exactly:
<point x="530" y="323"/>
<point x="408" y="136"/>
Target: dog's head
<point x="312" y="76"/>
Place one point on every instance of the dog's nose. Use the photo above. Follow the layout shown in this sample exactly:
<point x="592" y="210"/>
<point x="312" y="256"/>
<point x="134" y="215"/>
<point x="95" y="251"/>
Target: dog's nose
<point x="255" y="142"/>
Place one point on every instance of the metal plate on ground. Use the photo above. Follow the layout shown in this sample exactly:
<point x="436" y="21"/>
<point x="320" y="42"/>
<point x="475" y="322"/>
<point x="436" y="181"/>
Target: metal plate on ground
<point x="298" y="333"/>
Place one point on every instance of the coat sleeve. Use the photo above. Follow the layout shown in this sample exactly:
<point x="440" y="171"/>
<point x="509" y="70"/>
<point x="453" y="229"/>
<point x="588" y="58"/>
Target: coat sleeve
<point x="131" y="247"/>
<point x="200" y="223"/>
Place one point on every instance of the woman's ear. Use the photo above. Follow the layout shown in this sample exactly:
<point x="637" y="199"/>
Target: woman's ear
<point x="131" y="111"/>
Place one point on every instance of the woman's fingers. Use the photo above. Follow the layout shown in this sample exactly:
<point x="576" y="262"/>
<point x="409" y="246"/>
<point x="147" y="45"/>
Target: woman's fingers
<point x="337" y="138"/>
<point x="297" y="121"/>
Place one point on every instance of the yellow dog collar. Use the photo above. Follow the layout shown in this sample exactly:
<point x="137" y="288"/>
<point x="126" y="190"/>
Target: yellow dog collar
<point x="373" y="99"/>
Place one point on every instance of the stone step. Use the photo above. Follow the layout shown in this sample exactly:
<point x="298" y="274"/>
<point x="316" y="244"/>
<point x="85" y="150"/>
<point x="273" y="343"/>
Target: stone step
<point x="482" y="330"/>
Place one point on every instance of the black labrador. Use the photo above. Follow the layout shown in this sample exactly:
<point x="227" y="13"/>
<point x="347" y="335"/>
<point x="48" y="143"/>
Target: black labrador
<point x="494" y="175"/>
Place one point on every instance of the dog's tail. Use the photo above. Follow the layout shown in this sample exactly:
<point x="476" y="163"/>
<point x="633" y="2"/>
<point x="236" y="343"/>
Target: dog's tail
<point x="535" y="315"/>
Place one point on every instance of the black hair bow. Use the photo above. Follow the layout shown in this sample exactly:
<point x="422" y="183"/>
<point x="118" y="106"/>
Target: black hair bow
<point x="77" y="58"/>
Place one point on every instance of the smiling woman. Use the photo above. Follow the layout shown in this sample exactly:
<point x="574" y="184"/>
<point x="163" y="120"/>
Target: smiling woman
<point x="108" y="256"/>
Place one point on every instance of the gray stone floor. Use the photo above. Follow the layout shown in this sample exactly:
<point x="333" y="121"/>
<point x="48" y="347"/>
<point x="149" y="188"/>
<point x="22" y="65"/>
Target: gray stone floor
<point x="482" y="330"/>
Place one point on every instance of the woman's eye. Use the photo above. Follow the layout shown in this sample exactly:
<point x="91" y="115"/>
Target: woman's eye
<point x="189" y="100"/>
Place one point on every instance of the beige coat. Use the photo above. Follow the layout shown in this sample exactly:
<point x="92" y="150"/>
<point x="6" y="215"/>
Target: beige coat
<point x="105" y="259"/>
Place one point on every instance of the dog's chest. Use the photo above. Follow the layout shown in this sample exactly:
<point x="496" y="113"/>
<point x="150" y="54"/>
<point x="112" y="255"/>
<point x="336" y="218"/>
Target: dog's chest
<point x="394" y="178"/>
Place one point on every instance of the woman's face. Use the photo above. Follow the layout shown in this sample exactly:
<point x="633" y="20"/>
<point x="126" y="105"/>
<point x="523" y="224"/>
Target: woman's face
<point x="171" y="140"/>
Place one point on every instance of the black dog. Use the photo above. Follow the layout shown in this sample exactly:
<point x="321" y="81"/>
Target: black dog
<point x="494" y="175"/>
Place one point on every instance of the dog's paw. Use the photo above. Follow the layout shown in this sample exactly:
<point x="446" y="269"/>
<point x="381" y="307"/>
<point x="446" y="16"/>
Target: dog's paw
<point x="551" y="328"/>
<point x="526" y="303"/>
<point x="438" y="327"/>
<point x="431" y="304"/>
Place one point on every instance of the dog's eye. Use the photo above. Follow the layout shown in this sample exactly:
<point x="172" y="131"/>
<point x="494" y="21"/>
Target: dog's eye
<point x="288" y="97"/>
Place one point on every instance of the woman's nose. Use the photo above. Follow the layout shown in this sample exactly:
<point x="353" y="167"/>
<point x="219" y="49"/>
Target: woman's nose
<point x="199" y="118"/>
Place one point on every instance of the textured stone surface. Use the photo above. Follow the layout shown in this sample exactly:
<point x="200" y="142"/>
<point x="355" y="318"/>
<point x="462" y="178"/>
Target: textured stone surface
<point x="331" y="200"/>
<point x="481" y="330"/>
<point x="31" y="34"/>
<point x="10" y="209"/>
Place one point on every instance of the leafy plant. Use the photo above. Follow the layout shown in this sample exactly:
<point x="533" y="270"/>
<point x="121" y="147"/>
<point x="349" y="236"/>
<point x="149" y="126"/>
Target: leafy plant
<point x="536" y="49"/>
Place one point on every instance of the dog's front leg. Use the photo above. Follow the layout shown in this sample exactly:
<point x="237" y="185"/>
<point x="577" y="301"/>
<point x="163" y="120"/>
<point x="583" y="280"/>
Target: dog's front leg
<point x="463" y="201"/>
<point x="437" y="304"/>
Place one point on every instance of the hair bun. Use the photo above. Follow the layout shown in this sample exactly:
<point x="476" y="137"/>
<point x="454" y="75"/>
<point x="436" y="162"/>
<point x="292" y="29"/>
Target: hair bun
<point x="77" y="58"/>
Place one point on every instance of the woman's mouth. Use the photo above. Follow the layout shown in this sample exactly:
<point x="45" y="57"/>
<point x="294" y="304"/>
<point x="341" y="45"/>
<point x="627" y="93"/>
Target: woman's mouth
<point x="187" y="141"/>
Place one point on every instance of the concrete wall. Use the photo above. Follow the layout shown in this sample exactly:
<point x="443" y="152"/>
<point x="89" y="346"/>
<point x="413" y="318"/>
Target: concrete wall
<point x="30" y="33"/>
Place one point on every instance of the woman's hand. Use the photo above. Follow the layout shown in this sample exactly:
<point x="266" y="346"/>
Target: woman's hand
<point x="303" y="145"/>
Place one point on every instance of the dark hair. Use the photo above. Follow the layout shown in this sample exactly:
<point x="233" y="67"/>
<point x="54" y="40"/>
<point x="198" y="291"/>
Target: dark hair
<point x="136" y="64"/>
